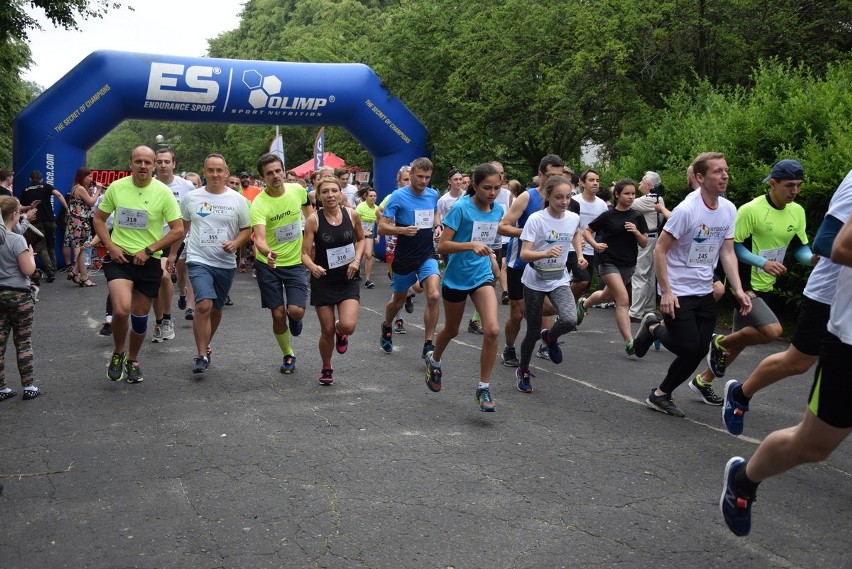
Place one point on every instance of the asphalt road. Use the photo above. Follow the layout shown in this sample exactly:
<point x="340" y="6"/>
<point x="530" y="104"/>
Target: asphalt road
<point x="244" y="467"/>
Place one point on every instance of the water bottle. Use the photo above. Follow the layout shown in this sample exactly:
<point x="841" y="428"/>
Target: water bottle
<point x="87" y="257"/>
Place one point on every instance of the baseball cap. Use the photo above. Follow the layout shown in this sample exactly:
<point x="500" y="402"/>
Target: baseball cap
<point x="787" y="169"/>
<point x="244" y="175"/>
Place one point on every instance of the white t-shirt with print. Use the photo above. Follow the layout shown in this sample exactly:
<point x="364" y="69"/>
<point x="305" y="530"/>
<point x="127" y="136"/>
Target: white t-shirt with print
<point x="699" y="233"/>
<point x="215" y="218"/>
<point x="544" y="231"/>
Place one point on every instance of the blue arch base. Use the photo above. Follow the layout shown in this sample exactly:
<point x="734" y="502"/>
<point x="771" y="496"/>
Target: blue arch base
<point x="53" y="133"/>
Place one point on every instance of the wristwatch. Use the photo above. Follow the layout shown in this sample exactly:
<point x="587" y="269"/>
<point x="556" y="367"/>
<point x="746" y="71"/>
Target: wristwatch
<point x="149" y="252"/>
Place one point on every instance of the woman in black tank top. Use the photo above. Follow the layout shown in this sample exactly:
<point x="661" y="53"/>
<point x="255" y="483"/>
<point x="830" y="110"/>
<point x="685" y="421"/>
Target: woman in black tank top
<point x="331" y="250"/>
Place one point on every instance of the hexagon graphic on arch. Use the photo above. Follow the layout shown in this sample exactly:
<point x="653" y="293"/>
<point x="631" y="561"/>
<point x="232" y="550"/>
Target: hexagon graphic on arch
<point x="53" y="133"/>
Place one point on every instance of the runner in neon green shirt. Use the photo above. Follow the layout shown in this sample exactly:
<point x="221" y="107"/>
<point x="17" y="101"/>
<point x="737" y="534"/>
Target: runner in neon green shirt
<point x="276" y="219"/>
<point x="141" y="205"/>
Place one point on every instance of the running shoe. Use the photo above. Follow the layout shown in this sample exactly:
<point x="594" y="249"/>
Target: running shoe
<point x="106" y="329"/>
<point x="168" y="330"/>
<point x="705" y="390"/>
<point x="717" y="356"/>
<point x="201" y="364"/>
<point x="288" y="366"/>
<point x="209" y="354"/>
<point x="295" y="325"/>
<point x="581" y="312"/>
<point x="158" y="334"/>
<point x="399" y="326"/>
<point x="483" y="398"/>
<point x="475" y="327"/>
<point x="428" y="346"/>
<point x="115" y="371"/>
<point x="735" y="507"/>
<point x="189" y="314"/>
<point x="228" y="301"/>
<point x="628" y="347"/>
<point x="387" y="338"/>
<point x="369" y="284"/>
<point x="553" y="349"/>
<point x="433" y="374"/>
<point x="733" y="412"/>
<point x="542" y="352"/>
<point x="664" y="404"/>
<point x="132" y="372"/>
<point x="341" y="341"/>
<point x="510" y="357"/>
<point x="523" y="377"/>
<point x="644" y="338"/>
<point x="326" y="376"/>
<point x="409" y="303"/>
<point x="7" y="394"/>
<point x="182" y="302"/>
<point x="504" y="299"/>
<point x="31" y="393"/>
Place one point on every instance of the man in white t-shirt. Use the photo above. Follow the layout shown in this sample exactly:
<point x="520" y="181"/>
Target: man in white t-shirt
<point x="217" y="223"/>
<point x="164" y="328"/>
<point x="828" y="418"/>
<point x="698" y="234"/>
<point x="349" y="190"/>
<point x="591" y="207"/>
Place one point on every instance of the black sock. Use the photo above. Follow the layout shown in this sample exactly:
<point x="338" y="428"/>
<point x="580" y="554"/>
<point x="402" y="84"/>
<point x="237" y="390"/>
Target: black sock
<point x="159" y="321"/>
<point x="743" y="484"/>
<point x="740" y="397"/>
<point x="167" y="316"/>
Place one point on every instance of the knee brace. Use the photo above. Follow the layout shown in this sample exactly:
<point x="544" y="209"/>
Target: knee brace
<point x="139" y="324"/>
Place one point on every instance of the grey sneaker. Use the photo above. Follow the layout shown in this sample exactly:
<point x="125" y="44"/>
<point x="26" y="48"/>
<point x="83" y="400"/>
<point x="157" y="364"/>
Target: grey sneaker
<point x="168" y="330"/>
<point x="664" y="404"/>
<point x="115" y="371"/>
<point x="132" y="372"/>
<point x="510" y="357"/>
<point x="158" y="334"/>
<point x="643" y="339"/>
<point x="201" y="364"/>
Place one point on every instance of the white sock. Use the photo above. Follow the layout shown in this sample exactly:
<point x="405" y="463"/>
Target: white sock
<point x="483" y="385"/>
<point x="5" y="390"/>
<point x="433" y="362"/>
<point x="31" y="388"/>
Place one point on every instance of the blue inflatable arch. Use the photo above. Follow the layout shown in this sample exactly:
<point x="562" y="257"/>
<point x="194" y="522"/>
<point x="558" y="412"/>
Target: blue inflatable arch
<point x="53" y="133"/>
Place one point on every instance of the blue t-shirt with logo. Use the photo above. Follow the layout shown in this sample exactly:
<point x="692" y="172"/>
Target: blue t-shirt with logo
<point x="467" y="270"/>
<point x="406" y="208"/>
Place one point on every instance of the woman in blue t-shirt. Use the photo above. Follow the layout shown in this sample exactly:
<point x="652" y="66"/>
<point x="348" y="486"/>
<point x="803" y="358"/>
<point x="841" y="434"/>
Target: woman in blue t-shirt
<point x="469" y="236"/>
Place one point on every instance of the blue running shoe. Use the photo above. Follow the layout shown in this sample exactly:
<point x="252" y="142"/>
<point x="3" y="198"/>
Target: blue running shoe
<point x="483" y="397"/>
<point x="387" y="338"/>
<point x="736" y="509"/>
<point x="542" y="352"/>
<point x="523" y="377"/>
<point x="733" y="412"/>
<point x="553" y="349"/>
<point x="433" y="374"/>
<point x="289" y="365"/>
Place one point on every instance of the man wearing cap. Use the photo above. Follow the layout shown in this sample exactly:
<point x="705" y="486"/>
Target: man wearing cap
<point x="766" y="228"/>
<point x="249" y="191"/>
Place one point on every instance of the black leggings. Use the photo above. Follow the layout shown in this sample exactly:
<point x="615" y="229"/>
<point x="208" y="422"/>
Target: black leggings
<point x="687" y="335"/>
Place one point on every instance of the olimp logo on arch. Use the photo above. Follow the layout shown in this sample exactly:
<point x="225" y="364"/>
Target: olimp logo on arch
<point x="264" y="97"/>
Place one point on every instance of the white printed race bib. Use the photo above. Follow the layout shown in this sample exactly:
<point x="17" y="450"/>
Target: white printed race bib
<point x="424" y="218"/>
<point x="367" y="228"/>
<point x="703" y="254"/>
<point x="289" y="232"/>
<point x="131" y="218"/>
<point x="776" y="255"/>
<point x="485" y="232"/>
<point x="340" y="256"/>
<point x="213" y="236"/>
